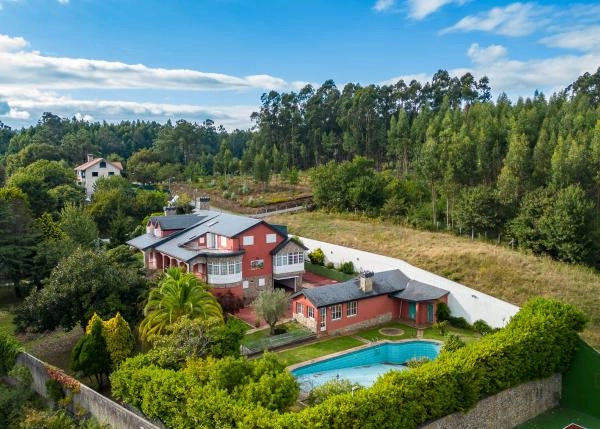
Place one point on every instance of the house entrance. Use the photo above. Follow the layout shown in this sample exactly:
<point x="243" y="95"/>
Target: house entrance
<point x="289" y="284"/>
<point x="412" y="310"/>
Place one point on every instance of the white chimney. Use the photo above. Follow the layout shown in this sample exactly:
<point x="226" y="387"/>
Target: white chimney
<point x="366" y="281"/>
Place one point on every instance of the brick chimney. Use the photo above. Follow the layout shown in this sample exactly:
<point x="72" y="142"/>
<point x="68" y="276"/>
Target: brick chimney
<point x="90" y="157"/>
<point x="366" y="281"/>
<point x="204" y="203"/>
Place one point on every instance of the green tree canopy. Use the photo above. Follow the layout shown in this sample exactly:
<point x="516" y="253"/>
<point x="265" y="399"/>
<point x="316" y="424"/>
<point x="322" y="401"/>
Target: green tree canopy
<point x="271" y="305"/>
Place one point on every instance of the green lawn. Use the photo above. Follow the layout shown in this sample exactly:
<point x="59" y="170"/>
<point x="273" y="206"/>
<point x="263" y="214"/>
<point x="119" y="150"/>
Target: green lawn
<point x="318" y="349"/>
<point x="373" y="334"/>
<point x="263" y="333"/>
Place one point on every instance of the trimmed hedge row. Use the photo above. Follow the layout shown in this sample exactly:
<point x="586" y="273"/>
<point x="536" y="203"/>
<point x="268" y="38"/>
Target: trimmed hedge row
<point x="539" y="341"/>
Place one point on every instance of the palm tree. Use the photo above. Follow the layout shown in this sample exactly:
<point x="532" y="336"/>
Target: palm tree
<point x="178" y="294"/>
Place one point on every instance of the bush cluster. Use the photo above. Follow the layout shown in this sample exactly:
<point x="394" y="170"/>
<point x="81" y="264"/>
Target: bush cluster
<point x="317" y="257"/>
<point x="9" y="349"/>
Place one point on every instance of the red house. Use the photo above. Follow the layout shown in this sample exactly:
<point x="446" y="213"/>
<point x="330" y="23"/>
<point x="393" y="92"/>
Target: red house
<point x="368" y="300"/>
<point x="232" y="253"/>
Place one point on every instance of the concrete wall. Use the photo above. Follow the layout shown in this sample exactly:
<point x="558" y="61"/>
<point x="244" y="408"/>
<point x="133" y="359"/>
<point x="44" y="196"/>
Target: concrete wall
<point x="507" y="409"/>
<point x="105" y="410"/>
<point x="463" y="301"/>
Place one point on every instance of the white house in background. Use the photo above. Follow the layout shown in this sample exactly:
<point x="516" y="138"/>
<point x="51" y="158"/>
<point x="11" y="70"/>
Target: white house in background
<point x="93" y="169"/>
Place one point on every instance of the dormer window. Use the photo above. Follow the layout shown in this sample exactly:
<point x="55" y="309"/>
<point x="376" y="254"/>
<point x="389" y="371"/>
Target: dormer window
<point x="102" y="164"/>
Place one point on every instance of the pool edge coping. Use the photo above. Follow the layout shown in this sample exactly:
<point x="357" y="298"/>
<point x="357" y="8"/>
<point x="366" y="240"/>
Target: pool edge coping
<point x="291" y="368"/>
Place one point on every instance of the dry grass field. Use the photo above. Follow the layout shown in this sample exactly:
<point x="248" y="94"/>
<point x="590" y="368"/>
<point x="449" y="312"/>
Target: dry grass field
<point x="493" y="269"/>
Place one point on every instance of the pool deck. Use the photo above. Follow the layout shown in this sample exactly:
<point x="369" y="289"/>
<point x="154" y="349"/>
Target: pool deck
<point x="354" y="349"/>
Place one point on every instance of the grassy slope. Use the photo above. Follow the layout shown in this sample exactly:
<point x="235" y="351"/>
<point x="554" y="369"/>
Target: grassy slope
<point x="496" y="270"/>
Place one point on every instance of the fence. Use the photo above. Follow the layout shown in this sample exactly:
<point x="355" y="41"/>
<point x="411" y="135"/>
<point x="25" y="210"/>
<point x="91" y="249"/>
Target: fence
<point x="276" y="341"/>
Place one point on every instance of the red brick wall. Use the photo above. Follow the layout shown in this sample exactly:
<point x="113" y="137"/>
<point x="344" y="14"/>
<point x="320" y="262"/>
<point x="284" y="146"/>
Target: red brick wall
<point x="367" y="309"/>
<point x="259" y="250"/>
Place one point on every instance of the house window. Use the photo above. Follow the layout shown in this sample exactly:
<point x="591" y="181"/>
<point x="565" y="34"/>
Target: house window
<point x="94" y="174"/>
<point x="299" y="309"/>
<point x="83" y="174"/>
<point x="261" y="282"/>
<point x="310" y="312"/>
<point x="291" y="258"/>
<point x="111" y="173"/>
<point x="224" y="268"/>
<point x="271" y="238"/>
<point x="245" y="284"/>
<point x="248" y="240"/>
<point x="223" y="241"/>
<point x="336" y="312"/>
<point x="351" y="308"/>
<point x="102" y="164"/>
<point x="210" y="240"/>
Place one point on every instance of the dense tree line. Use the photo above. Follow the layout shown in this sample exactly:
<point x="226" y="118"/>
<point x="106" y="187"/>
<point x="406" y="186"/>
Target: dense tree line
<point x="436" y="155"/>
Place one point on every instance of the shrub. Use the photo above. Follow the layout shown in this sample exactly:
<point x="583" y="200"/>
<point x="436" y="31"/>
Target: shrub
<point x="331" y="388"/>
<point x="281" y="329"/>
<point x="330" y="265"/>
<point x="347" y="267"/>
<point x="459" y="322"/>
<point x="54" y="390"/>
<point x="442" y="311"/>
<point x="22" y="374"/>
<point x="482" y="327"/>
<point x="9" y="349"/>
<point x="417" y="362"/>
<point x="317" y="257"/>
<point x="442" y="325"/>
<point x="452" y="343"/>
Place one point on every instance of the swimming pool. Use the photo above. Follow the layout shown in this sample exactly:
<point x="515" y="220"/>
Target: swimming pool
<point x="365" y="365"/>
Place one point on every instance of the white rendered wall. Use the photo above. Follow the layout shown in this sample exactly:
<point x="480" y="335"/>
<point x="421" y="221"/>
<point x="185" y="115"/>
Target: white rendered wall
<point x="463" y="301"/>
<point x="90" y="181"/>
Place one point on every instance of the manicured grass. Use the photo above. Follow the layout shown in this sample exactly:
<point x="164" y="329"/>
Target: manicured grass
<point x="263" y="333"/>
<point x="373" y="334"/>
<point x="318" y="349"/>
<point x="494" y="269"/>
<point x="466" y="335"/>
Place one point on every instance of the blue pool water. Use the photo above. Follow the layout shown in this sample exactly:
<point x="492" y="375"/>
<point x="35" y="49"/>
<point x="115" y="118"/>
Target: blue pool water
<point x="365" y="365"/>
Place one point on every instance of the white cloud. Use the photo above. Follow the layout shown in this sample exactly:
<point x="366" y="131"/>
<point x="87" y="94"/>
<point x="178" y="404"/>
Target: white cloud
<point x="419" y="9"/>
<point x="8" y="44"/>
<point x="516" y="19"/>
<point x="384" y="5"/>
<point x="63" y="1"/>
<point x="486" y="55"/>
<point x="583" y="39"/>
<point x="25" y="68"/>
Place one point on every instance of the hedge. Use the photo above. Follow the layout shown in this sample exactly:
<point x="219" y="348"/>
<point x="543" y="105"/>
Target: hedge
<point x="539" y="341"/>
<point x="328" y="272"/>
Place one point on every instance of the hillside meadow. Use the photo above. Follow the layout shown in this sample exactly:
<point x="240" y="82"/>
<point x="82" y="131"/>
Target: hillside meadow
<point x="494" y="269"/>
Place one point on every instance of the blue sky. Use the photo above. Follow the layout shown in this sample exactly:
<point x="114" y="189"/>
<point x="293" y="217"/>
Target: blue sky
<point x="124" y="59"/>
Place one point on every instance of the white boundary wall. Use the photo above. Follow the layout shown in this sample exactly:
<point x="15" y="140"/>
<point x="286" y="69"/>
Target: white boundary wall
<point x="463" y="301"/>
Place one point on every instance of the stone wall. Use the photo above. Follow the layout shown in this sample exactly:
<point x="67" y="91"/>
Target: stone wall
<point x="507" y="409"/>
<point x="105" y="410"/>
<point x="384" y="318"/>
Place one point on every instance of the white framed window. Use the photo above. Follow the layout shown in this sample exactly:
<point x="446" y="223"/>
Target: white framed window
<point x="223" y="241"/>
<point x="224" y="268"/>
<point x="261" y="282"/>
<point x="323" y="314"/>
<point x="271" y="238"/>
<point x="336" y="312"/>
<point x="248" y="240"/>
<point x="310" y="312"/>
<point x="291" y="258"/>
<point x="201" y="240"/>
<point x="210" y="240"/>
<point x="245" y="284"/>
<point x="299" y="309"/>
<point x="351" y="308"/>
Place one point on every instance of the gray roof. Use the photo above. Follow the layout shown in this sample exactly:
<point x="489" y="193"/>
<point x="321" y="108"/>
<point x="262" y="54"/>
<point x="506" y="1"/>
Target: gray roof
<point x="385" y="282"/>
<point x="192" y="226"/>
<point x="417" y="291"/>
<point x="178" y="221"/>
<point x="393" y="283"/>
<point x="145" y="241"/>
